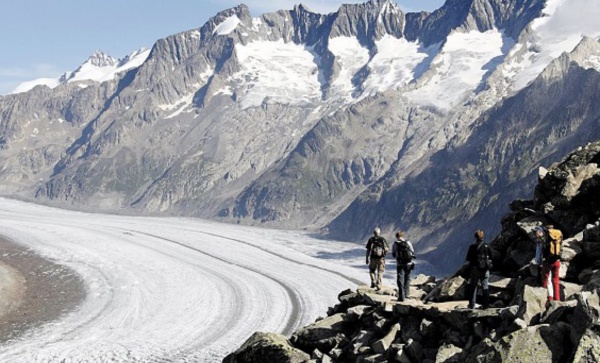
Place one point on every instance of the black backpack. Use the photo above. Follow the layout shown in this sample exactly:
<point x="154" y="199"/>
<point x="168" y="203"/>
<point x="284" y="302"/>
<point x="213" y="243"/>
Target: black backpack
<point x="484" y="258"/>
<point x="378" y="248"/>
<point x="403" y="252"/>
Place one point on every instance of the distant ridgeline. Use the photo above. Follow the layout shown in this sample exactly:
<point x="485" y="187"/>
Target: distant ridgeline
<point x="335" y="123"/>
<point x="370" y="326"/>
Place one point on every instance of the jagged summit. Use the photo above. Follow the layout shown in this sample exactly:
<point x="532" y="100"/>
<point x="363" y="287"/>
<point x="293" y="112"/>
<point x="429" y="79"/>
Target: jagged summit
<point x="101" y="59"/>
<point x="330" y="122"/>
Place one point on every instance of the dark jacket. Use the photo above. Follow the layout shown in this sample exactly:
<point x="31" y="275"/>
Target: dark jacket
<point x="473" y="253"/>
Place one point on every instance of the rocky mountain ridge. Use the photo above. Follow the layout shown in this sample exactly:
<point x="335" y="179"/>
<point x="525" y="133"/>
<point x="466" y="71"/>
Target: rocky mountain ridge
<point x="521" y="325"/>
<point x="302" y="120"/>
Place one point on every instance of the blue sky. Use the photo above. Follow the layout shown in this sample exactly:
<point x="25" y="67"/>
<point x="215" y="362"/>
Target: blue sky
<point x="45" y="38"/>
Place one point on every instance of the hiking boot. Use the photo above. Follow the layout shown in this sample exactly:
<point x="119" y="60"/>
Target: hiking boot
<point x="372" y="285"/>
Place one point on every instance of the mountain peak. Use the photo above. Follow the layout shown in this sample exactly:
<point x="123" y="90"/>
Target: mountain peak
<point x="101" y="59"/>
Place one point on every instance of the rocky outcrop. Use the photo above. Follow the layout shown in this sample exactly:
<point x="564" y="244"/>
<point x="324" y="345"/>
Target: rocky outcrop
<point x="389" y="331"/>
<point x="521" y="325"/>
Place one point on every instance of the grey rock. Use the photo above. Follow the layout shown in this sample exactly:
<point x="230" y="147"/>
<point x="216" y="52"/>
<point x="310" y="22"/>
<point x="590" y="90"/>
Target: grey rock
<point x="541" y="343"/>
<point x="267" y="347"/>
<point x="382" y="345"/>
<point x="532" y="304"/>
<point x="557" y="310"/>
<point x="375" y="358"/>
<point x="361" y="343"/>
<point x="401" y="354"/>
<point x="591" y="249"/>
<point x="448" y="353"/>
<point x="588" y="347"/>
<point x="591" y="232"/>
<point x="451" y="289"/>
<point x="356" y="313"/>
<point x="421" y="280"/>
<point x="323" y="335"/>
<point x="415" y="350"/>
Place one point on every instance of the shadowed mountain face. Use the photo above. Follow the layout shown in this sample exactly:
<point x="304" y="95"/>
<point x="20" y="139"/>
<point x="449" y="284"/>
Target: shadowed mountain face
<point x="428" y="122"/>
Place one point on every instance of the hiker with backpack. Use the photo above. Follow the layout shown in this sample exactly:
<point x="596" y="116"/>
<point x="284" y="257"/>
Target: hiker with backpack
<point x="404" y="253"/>
<point x="479" y="257"/>
<point x="377" y="248"/>
<point x="551" y="240"/>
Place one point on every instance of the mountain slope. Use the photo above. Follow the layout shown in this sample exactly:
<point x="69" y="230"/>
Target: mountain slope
<point x="306" y="120"/>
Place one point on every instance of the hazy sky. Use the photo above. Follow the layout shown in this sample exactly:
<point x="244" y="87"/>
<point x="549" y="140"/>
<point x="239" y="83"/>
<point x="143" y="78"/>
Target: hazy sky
<point x="45" y="38"/>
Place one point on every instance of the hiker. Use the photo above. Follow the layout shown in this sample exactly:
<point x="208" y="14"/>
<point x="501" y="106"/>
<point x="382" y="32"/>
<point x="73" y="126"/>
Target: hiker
<point x="377" y="248"/>
<point x="551" y="240"/>
<point x="480" y="263"/>
<point x="404" y="253"/>
<point x="535" y="265"/>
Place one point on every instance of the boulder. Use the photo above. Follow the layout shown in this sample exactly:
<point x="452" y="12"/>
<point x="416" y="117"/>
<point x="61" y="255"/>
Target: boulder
<point x="448" y="353"/>
<point x="382" y="345"/>
<point x="267" y="347"/>
<point x="421" y="280"/>
<point x="593" y="282"/>
<point x="373" y="298"/>
<point x="361" y="343"/>
<point x="532" y="304"/>
<point x="324" y="335"/>
<point x="375" y="358"/>
<point x="400" y="354"/>
<point x="586" y="275"/>
<point x="414" y="350"/>
<point x="356" y="313"/>
<point x="592" y="232"/>
<point x="540" y="343"/>
<point x="557" y="310"/>
<point x="569" y="289"/>
<point x="571" y="248"/>
<point x="501" y="282"/>
<point x="591" y="249"/>
<point x="588" y="348"/>
<point x="585" y="314"/>
<point x="450" y="289"/>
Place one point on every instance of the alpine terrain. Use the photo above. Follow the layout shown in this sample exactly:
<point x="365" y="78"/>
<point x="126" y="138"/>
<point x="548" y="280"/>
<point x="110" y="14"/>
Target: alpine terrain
<point x="429" y="122"/>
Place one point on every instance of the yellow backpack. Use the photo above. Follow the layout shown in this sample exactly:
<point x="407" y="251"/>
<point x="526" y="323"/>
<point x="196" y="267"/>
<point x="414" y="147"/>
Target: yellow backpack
<point x="554" y="246"/>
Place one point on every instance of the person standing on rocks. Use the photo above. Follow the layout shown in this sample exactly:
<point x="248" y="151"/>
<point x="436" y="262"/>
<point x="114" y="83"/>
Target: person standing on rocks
<point x="480" y="263"/>
<point x="551" y="239"/>
<point x="377" y="248"/>
<point x="404" y="253"/>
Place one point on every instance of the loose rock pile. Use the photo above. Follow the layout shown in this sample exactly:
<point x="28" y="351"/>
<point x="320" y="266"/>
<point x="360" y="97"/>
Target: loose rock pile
<point x="435" y="326"/>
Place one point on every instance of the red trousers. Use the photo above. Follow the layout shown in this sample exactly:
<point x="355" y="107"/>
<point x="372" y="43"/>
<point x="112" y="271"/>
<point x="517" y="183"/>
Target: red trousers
<point x="547" y="268"/>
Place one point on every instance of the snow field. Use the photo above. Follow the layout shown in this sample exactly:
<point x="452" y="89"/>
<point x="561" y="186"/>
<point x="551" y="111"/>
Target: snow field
<point x="277" y="72"/>
<point x="171" y="290"/>
<point x="459" y="68"/>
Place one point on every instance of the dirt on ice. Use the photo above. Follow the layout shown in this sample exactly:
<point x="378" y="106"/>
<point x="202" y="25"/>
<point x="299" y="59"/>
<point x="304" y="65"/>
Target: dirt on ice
<point x="33" y="291"/>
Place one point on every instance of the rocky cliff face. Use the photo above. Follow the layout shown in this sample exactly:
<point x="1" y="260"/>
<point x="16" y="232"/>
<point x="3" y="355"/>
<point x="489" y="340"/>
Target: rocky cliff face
<point x="435" y="326"/>
<point x="306" y="120"/>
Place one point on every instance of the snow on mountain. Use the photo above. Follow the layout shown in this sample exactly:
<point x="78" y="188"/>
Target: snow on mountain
<point x="276" y="72"/>
<point x="352" y="57"/>
<point x="28" y="85"/>
<point x="227" y="26"/>
<point x="99" y="67"/>
<point x="459" y="69"/>
<point x="396" y="64"/>
<point x="563" y="26"/>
